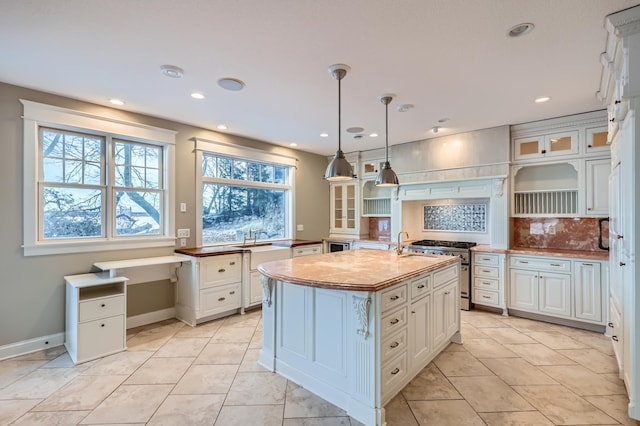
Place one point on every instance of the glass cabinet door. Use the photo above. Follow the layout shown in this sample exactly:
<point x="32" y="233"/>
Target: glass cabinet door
<point x="561" y="144"/>
<point x="337" y="206"/>
<point x="527" y="148"/>
<point x="596" y="139"/>
<point x="351" y="205"/>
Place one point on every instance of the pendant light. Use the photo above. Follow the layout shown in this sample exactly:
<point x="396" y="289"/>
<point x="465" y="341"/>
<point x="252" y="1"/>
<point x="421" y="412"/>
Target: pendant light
<point x="386" y="176"/>
<point x="339" y="169"/>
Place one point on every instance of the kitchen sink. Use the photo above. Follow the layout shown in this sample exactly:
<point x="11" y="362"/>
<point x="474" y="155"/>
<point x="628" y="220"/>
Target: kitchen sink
<point x="266" y="253"/>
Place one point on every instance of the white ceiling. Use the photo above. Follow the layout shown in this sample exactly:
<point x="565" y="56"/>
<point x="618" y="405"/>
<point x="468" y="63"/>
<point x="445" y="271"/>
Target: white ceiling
<point x="450" y="58"/>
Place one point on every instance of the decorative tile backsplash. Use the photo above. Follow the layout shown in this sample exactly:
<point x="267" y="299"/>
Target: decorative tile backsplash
<point x="580" y="233"/>
<point x="470" y="217"/>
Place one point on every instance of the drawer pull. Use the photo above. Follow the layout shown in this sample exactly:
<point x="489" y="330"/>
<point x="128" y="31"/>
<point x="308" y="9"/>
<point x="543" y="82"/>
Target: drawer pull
<point x="421" y="286"/>
<point x="221" y="270"/>
<point x="522" y="261"/>
<point x="486" y="283"/>
<point x="486" y="259"/>
<point x="232" y="263"/>
<point x="232" y="292"/>
<point x="221" y="299"/>
<point x="103" y="305"/>
<point x="396" y="297"/>
<point x="395" y="371"/>
<point x="555" y="264"/>
<point x="486" y="297"/>
<point x="614" y="338"/>
<point x="394" y="321"/>
<point x="587" y="264"/>
<point x="394" y="345"/>
<point x="610" y="325"/>
<point x="447" y="293"/>
<point x="486" y="271"/>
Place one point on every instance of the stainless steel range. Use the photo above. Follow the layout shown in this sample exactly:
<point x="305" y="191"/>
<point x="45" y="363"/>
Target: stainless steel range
<point x="451" y="248"/>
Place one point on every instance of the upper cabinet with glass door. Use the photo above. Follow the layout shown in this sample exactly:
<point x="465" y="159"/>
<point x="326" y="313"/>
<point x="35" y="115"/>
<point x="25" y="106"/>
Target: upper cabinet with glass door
<point x="596" y="141"/>
<point x="545" y="146"/>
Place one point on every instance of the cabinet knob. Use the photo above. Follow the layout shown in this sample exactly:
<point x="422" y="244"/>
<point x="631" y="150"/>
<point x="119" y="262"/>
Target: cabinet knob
<point x="622" y="264"/>
<point x="613" y="119"/>
<point x="232" y="292"/>
<point x="544" y="151"/>
<point x="615" y="338"/>
<point x="395" y="371"/>
<point x="610" y="325"/>
<point x="101" y="325"/>
<point x="232" y="263"/>
<point x="588" y="208"/>
<point x="589" y="146"/>
<point x="221" y="270"/>
<point x="103" y="305"/>
<point x="394" y="321"/>
<point x="447" y="293"/>
<point x="620" y="237"/>
<point x="394" y="345"/>
<point x="617" y="102"/>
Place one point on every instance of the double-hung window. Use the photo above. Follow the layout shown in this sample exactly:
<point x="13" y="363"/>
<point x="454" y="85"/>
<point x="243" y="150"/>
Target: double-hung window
<point x="244" y="194"/>
<point x="94" y="183"/>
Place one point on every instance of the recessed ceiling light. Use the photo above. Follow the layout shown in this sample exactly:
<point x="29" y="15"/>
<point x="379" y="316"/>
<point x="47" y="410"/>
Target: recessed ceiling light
<point x="355" y="130"/>
<point x="373" y="135"/>
<point x="197" y="95"/>
<point x="404" y="107"/>
<point x="221" y="127"/>
<point x="443" y="120"/>
<point x="232" y="84"/>
<point x="293" y="144"/>
<point x="435" y="129"/>
<point x="520" y="29"/>
<point x="115" y="101"/>
<point x="542" y="99"/>
<point x="171" y="71"/>
<point x="324" y="135"/>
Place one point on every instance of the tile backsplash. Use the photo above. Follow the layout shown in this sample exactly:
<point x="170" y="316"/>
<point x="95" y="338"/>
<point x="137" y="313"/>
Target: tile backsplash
<point x="563" y="233"/>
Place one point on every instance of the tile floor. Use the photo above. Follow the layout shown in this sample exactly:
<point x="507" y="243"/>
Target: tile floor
<point x="509" y="371"/>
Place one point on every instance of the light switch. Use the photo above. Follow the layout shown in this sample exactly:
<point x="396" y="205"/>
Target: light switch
<point x="300" y="227"/>
<point x="183" y="207"/>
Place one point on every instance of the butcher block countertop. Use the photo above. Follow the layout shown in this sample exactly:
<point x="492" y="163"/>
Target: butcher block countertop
<point x="358" y="270"/>
<point x="574" y="254"/>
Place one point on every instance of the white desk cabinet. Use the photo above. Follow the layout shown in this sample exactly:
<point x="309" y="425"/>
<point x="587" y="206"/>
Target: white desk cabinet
<point x="307" y="250"/>
<point x="95" y="316"/>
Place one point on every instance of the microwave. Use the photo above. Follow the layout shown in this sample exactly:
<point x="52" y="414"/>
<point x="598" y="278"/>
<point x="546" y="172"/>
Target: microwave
<point x="334" y="246"/>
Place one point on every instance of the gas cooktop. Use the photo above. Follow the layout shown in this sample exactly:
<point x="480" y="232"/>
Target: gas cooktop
<point x="438" y="243"/>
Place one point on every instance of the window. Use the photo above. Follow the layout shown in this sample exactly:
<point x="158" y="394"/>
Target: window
<point x="243" y="197"/>
<point x="93" y="183"/>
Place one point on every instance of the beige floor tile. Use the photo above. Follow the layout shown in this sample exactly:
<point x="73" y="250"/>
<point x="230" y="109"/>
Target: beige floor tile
<point x="563" y="407"/>
<point x="487" y="348"/>
<point x="321" y="421"/>
<point x="182" y="347"/>
<point x="460" y="364"/>
<point x="121" y="363"/>
<point x="207" y="329"/>
<point x="129" y="404"/>
<point x="39" y="384"/>
<point x="528" y="418"/>
<point x="48" y="418"/>
<point x="258" y="415"/>
<point x="500" y="398"/>
<point x="583" y="381"/>
<point x="525" y="324"/>
<point x="187" y="410"/>
<point x="250" y="361"/>
<point x="157" y="371"/>
<point x="233" y="335"/>
<point x="222" y="353"/>
<point x="256" y="340"/>
<point x="508" y="336"/>
<point x="445" y="413"/>
<point x="517" y="371"/>
<point x="300" y="402"/>
<point x="615" y="406"/>
<point x="470" y="332"/>
<point x="11" y="410"/>
<point x="455" y="347"/>
<point x="398" y="413"/>
<point x="153" y="338"/>
<point x="43" y="355"/>
<point x="538" y="354"/>
<point x="485" y="321"/>
<point x="430" y="384"/>
<point x="82" y="393"/>
<point x="249" y="319"/>
<point x="257" y="389"/>
<point x="555" y="340"/>
<point x="203" y="379"/>
<point x="592" y="359"/>
<point x="13" y="369"/>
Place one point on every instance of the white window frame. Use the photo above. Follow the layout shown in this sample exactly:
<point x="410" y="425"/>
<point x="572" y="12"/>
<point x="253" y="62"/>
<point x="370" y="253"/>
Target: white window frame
<point x="245" y="153"/>
<point x="38" y="115"/>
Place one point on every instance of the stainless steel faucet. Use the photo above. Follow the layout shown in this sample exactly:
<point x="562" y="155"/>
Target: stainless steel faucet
<point x="399" y="247"/>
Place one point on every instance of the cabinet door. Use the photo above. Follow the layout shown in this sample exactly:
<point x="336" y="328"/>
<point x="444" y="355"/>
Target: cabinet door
<point x="350" y="200"/>
<point x="344" y="215"/>
<point x="255" y="289"/>
<point x="525" y="148"/>
<point x="445" y="313"/>
<point x="419" y="318"/>
<point x="597" y="187"/>
<point x="337" y="207"/>
<point x="565" y="143"/>
<point x="588" y="291"/>
<point x="524" y="290"/>
<point x="555" y="293"/>
<point x="597" y="140"/>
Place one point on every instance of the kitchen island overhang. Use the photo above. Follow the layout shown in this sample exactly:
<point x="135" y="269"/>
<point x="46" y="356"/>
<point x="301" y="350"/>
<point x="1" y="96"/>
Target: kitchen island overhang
<point x="355" y="327"/>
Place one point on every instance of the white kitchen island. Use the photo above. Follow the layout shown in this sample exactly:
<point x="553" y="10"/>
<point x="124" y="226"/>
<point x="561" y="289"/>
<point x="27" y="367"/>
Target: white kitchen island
<point x="355" y="327"/>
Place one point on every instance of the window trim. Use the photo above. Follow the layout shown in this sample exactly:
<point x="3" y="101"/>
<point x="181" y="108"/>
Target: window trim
<point x="246" y="153"/>
<point x="38" y="115"/>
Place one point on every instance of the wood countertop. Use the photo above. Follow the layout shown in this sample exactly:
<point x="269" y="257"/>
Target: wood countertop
<point x="211" y="251"/>
<point x="358" y="270"/>
<point x="574" y="254"/>
<point x="295" y="243"/>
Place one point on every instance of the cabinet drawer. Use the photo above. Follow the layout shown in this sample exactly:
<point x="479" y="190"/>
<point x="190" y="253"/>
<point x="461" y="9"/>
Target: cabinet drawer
<point x="445" y="275"/>
<point x="100" y="337"/>
<point x="101" y="308"/>
<point x="483" y="297"/>
<point x="219" y="299"/>
<point x="486" y="259"/>
<point x="420" y="286"/>
<point x="307" y="250"/>
<point x="486" y="271"/>
<point x="393" y="372"/>
<point x="541" y="264"/>
<point x="486" y="284"/>
<point x="393" y="345"/>
<point x="393" y="297"/>
<point x="393" y="322"/>
<point x="218" y="270"/>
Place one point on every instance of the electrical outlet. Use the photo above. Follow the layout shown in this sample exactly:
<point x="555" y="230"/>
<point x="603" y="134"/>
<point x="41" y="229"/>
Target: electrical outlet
<point x="183" y="242"/>
<point x="300" y="227"/>
<point x="183" y="207"/>
<point x="184" y="233"/>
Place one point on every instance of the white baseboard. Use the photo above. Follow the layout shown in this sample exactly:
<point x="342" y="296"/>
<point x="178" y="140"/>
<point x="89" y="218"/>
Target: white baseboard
<point x="32" y="345"/>
<point x="40" y="343"/>
<point x="150" y="317"/>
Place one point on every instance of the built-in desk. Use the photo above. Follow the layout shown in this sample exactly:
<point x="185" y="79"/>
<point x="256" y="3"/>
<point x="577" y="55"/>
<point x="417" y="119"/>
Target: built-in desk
<point x="145" y="269"/>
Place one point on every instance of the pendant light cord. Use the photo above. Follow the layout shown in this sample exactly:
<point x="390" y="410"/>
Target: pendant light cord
<point x="339" y="115"/>
<point x="386" y="130"/>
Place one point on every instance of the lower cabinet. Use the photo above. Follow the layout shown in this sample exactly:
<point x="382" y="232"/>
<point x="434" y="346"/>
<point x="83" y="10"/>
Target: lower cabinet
<point x="419" y="317"/>
<point x="307" y="250"/>
<point x="488" y="280"/>
<point x="554" y="293"/>
<point x="446" y="313"/>
<point x="588" y="289"/>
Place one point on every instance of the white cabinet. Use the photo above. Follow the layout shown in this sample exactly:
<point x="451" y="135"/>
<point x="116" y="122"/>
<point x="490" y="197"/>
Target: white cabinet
<point x="345" y="212"/>
<point x="597" y="141"/>
<point x="446" y="313"/>
<point x="488" y="280"/>
<point x="210" y="287"/>
<point x="542" y="146"/>
<point x="306" y="250"/>
<point x="554" y="295"/>
<point x="588" y="290"/>
<point x="524" y="290"/>
<point x="95" y="316"/>
<point x="597" y="187"/>
<point x="260" y="254"/>
<point x="371" y="245"/>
